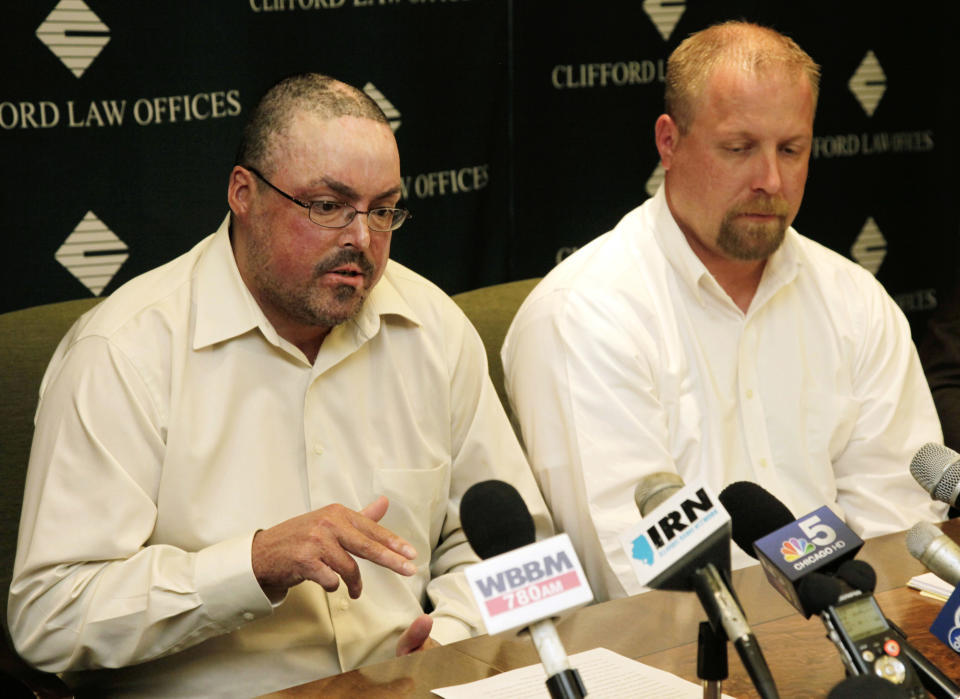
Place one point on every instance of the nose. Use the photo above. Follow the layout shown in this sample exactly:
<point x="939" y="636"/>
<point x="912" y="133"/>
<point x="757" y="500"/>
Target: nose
<point x="768" y="178"/>
<point x="356" y="233"/>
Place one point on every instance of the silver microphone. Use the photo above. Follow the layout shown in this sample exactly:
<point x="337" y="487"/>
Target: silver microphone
<point x="937" y="469"/>
<point x="935" y="550"/>
<point x="655" y="489"/>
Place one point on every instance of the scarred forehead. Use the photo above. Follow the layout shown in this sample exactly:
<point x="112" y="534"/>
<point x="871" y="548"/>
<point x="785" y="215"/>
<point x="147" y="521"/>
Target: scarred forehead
<point x="355" y="152"/>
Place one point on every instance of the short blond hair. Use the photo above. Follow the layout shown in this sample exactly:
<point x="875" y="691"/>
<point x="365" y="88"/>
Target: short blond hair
<point x="754" y="47"/>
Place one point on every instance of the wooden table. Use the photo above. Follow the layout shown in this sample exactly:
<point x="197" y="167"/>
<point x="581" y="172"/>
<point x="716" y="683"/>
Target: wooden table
<point x="660" y="629"/>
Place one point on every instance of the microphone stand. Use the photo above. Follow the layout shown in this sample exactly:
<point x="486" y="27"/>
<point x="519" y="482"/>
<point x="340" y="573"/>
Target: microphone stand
<point x="563" y="682"/>
<point x="711" y="660"/>
<point x="725" y="614"/>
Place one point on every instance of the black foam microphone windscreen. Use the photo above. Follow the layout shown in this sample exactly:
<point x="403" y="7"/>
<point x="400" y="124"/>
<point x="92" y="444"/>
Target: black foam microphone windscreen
<point x="818" y="591"/>
<point x="754" y="513"/>
<point x="495" y="518"/>
<point x="859" y="575"/>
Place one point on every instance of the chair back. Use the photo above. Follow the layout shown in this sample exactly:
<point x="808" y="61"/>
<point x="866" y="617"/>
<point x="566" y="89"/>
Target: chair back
<point x="27" y="340"/>
<point x="491" y="310"/>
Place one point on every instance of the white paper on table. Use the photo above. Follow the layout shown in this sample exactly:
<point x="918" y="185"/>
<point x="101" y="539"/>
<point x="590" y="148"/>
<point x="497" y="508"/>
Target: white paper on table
<point x="605" y="674"/>
<point x="929" y="582"/>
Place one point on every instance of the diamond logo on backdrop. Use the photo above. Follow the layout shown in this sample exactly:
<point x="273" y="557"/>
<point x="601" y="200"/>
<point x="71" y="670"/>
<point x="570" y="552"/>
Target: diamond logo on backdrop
<point x="664" y="14"/>
<point x="870" y="247"/>
<point x="392" y="114"/>
<point x="869" y="83"/>
<point x="656" y="179"/>
<point x="92" y="253"/>
<point x="74" y="34"/>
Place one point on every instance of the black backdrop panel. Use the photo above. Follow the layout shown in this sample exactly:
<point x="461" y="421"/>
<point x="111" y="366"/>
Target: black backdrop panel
<point x="590" y="87"/>
<point x="144" y="137"/>
<point x="525" y="128"/>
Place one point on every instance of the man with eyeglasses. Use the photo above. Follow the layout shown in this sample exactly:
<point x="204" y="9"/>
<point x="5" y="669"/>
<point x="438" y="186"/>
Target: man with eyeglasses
<point x="248" y="463"/>
<point x="704" y="336"/>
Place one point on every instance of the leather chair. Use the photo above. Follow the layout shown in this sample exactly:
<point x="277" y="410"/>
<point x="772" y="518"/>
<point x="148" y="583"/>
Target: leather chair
<point x="27" y="340"/>
<point x="491" y="309"/>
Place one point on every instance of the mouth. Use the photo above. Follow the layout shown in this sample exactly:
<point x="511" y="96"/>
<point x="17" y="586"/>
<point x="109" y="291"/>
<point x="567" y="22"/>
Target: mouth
<point x="349" y="268"/>
<point x="345" y="277"/>
<point x="346" y="272"/>
<point x="759" y="216"/>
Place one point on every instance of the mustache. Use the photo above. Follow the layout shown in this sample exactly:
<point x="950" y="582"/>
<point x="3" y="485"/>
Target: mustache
<point x="772" y="206"/>
<point x="344" y="257"/>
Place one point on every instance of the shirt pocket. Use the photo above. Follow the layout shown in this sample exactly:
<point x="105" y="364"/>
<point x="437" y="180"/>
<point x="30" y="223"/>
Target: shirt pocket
<point x="418" y="504"/>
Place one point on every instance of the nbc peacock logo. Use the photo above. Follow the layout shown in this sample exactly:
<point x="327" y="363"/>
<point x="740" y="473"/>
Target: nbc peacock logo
<point x="793" y="548"/>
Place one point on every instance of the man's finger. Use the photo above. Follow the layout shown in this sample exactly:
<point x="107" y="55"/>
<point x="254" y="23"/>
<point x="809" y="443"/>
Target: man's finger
<point x="376" y="509"/>
<point x="334" y="565"/>
<point x="375" y="547"/>
<point x="415" y="636"/>
<point x="368" y="525"/>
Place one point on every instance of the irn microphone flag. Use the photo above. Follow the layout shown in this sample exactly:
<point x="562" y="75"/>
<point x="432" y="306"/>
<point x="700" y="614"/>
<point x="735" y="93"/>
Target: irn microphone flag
<point x="692" y="517"/>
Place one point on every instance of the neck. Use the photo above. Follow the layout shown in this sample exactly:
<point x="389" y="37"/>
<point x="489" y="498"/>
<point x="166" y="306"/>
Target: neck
<point x="307" y="338"/>
<point x="739" y="278"/>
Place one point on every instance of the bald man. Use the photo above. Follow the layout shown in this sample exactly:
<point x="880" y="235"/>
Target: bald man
<point x="248" y="463"/>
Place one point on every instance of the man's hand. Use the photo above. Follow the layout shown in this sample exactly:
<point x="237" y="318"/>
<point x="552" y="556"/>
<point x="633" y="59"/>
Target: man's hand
<point x="417" y="636"/>
<point x="318" y="545"/>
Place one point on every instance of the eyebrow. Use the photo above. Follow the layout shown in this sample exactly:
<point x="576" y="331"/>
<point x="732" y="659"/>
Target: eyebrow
<point x="349" y="192"/>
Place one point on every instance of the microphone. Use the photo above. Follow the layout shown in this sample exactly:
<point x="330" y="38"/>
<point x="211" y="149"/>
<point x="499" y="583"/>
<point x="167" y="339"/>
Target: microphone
<point x="788" y="549"/>
<point x="690" y="536"/>
<point x="656" y="489"/>
<point x="937" y="469"/>
<point x="859" y="575"/>
<point x="935" y="550"/>
<point x="832" y="585"/>
<point x="754" y="512"/>
<point x="495" y="519"/>
<point x="496" y="522"/>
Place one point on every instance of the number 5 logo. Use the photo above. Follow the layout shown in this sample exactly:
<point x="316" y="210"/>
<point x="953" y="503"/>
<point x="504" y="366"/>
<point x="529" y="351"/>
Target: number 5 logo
<point x="817" y="532"/>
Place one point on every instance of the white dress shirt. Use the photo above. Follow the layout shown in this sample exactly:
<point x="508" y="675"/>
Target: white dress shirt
<point x="174" y="422"/>
<point x="629" y="359"/>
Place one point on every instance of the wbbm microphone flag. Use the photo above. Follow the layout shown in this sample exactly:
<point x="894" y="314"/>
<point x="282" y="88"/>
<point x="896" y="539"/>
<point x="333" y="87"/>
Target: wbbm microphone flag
<point x="528" y="584"/>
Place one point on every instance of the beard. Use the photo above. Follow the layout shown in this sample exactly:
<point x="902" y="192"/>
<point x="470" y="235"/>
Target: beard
<point x="750" y="240"/>
<point x="312" y="303"/>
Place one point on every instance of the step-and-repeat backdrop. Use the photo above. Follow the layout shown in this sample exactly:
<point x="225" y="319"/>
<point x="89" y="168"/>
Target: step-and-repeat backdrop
<point x="525" y="127"/>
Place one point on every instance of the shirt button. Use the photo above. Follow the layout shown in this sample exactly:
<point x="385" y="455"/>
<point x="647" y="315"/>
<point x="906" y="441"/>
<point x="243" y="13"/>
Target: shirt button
<point x="343" y="605"/>
<point x="318" y="448"/>
<point x="763" y="463"/>
<point x="248" y="616"/>
<point x="749" y="393"/>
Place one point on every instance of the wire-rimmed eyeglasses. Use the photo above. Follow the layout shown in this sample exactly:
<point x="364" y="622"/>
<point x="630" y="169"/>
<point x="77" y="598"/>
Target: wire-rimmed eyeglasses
<point x="330" y="213"/>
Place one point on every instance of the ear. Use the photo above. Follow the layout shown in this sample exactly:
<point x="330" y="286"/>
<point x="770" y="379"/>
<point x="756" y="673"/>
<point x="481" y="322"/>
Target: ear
<point x="667" y="134"/>
<point x="240" y="190"/>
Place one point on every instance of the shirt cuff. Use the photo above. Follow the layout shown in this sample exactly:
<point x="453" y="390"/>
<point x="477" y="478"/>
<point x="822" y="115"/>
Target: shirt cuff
<point x="227" y="586"/>
<point x="447" y="630"/>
